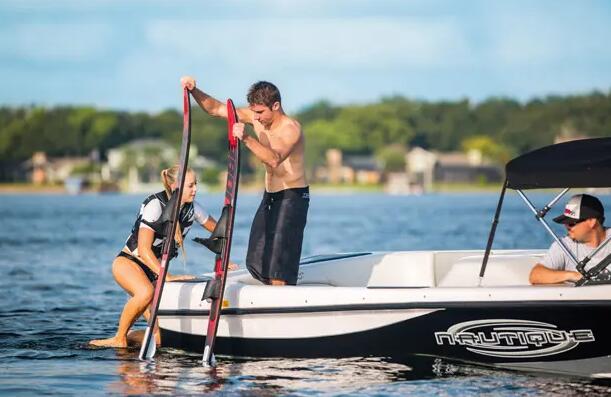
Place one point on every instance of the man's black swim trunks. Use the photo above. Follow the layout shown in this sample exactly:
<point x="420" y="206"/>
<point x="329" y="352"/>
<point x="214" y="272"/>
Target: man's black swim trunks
<point x="276" y="235"/>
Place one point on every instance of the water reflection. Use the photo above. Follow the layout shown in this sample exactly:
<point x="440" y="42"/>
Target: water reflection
<point x="133" y="378"/>
<point x="316" y="375"/>
<point x="169" y="373"/>
<point x="181" y="373"/>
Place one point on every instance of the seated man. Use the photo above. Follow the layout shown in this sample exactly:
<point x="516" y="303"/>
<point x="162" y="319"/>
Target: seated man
<point x="583" y="218"/>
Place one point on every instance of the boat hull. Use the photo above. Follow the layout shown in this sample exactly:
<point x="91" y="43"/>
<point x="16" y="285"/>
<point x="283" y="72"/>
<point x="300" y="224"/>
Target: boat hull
<point x="550" y="336"/>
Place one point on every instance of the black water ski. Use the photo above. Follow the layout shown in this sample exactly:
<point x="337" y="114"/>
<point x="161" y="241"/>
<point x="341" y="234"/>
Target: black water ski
<point x="220" y="240"/>
<point x="147" y="351"/>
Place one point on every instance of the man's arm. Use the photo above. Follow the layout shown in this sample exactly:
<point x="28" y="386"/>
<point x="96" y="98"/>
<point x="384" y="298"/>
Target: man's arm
<point x="271" y="156"/>
<point x="541" y="274"/>
<point x="210" y="105"/>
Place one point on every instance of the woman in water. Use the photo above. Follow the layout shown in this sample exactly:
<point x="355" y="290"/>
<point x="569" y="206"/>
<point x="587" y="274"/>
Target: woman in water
<point x="136" y="267"/>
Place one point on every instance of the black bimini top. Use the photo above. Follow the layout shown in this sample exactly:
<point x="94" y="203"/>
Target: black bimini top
<point x="581" y="163"/>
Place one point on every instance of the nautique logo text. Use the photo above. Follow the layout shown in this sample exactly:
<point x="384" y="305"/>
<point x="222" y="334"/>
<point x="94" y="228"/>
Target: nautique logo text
<point x="513" y="338"/>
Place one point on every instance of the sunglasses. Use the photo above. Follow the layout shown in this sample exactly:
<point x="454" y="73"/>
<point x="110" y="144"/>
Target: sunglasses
<point x="572" y="224"/>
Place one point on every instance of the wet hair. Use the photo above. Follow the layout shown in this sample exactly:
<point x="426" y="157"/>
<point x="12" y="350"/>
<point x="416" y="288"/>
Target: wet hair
<point x="168" y="177"/>
<point x="263" y="93"/>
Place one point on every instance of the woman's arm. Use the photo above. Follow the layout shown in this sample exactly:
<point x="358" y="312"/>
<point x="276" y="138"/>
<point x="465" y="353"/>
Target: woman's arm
<point x="203" y="217"/>
<point x="209" y="224"/>
<point x="145" y="242"/>
<point x="146" y="237"/>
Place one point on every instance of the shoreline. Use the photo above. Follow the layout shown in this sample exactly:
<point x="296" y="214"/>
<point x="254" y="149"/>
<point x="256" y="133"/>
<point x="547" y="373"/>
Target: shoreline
<point x="27" y="188"/>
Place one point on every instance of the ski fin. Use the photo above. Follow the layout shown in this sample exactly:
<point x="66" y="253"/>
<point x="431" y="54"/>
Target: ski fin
<point x="212" y="289"/>
<point x="215" y="242"/>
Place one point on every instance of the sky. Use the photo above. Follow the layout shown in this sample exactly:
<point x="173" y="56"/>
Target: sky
<point x="130" y="55"/>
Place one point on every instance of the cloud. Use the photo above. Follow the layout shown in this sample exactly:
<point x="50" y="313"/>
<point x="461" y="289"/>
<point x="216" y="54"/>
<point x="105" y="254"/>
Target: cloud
<point x="373" y="43"/>
<point x="53" y="42"/>
<point x="543" y="37"/>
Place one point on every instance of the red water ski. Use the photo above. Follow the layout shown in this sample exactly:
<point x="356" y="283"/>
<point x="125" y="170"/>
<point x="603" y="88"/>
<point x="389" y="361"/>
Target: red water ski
<point x="220" y="241"/>
<point x="147" y="351"/>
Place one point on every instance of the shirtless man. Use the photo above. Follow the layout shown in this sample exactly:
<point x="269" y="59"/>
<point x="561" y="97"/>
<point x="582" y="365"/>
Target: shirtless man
<point x="276" y="235"/>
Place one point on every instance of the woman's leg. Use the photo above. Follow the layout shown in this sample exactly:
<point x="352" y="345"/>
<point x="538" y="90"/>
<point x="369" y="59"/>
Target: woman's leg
<point x="133" y="280"/>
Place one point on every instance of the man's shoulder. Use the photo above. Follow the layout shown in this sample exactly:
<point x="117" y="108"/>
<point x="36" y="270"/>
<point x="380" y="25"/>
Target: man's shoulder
<point x="566" y="240"/>
<point x="291" y="124"/>
<point x="289" y="130"/>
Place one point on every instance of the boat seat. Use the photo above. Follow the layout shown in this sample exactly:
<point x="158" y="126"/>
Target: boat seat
<point x="378" y="270"/>
<point x="501" y="270"/>
<point x="404" y="270"/>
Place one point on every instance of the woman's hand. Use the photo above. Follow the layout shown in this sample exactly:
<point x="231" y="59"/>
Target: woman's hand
<point x="180" y="277"/>
<point x="232" y="266"/>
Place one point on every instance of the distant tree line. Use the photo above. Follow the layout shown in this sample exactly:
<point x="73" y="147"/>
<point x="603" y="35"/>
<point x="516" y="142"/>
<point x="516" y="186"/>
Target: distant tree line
<point x="499" y="127"/>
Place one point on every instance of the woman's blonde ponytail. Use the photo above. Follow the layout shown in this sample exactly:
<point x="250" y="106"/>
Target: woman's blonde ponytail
<point x="169" y="176"/>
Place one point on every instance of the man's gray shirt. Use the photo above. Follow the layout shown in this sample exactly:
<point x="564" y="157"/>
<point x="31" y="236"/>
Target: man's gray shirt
<point x="556" y="258"/>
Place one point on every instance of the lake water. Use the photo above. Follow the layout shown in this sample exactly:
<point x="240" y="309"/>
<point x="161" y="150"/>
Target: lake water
<point x="57" y="293"/>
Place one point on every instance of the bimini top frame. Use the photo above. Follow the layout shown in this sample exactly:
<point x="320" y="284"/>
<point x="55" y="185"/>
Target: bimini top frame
<point x="576" y="164"/>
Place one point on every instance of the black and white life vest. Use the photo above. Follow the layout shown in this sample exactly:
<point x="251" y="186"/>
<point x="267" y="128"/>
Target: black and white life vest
<point x="149" y="217"/>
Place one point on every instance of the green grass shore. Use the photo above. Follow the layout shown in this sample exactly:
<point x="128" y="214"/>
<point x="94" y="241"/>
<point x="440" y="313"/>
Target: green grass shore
<point x="30" y="188"/>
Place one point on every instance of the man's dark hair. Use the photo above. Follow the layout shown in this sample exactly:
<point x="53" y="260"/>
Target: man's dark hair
<point x="263" y="93"/>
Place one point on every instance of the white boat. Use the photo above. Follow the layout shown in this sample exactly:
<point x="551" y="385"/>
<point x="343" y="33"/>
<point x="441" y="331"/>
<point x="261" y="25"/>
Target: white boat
<point x="471" y="306"/>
